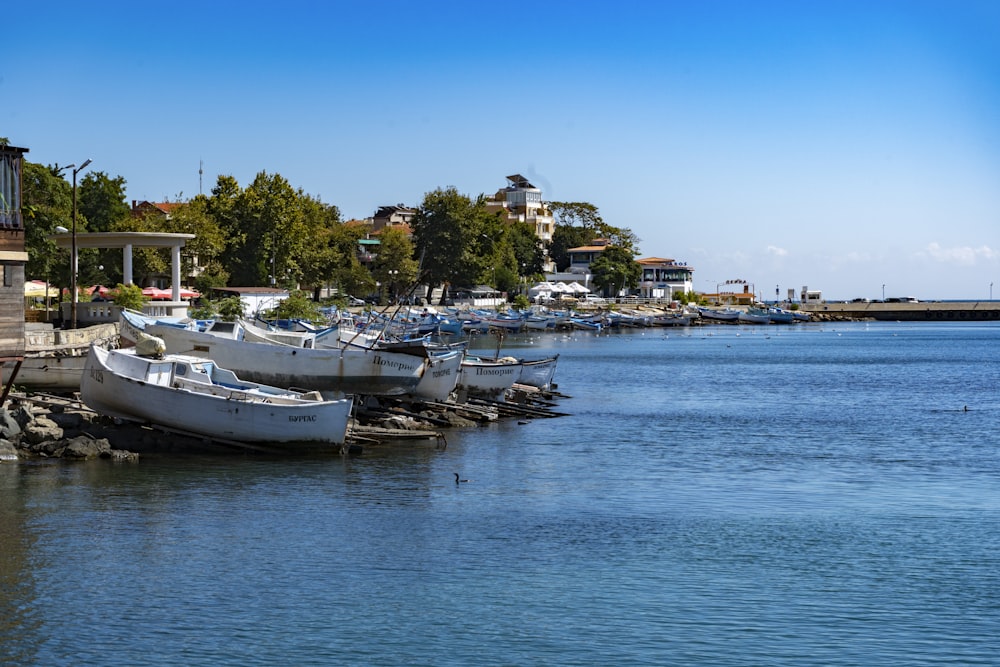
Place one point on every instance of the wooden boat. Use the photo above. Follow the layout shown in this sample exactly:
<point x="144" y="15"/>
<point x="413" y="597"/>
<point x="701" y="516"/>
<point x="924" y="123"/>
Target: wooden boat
<point x="352" y="370"/>
<point x="54" y="359"/>
<point x="780" y="315"/>
<point x="443" y="361"/>
<point x="537" y="372"/>
<point x="720" y="315"/>
<point x="488" y="377"/>
<point x="195" y="395"/>
<point x="754" y="316"/>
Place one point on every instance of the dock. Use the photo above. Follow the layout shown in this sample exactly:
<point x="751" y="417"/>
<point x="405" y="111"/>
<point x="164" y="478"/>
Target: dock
<point x="922" y="311"/>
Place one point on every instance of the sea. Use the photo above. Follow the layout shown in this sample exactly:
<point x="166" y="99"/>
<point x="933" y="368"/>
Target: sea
<point x="816" y="494"/>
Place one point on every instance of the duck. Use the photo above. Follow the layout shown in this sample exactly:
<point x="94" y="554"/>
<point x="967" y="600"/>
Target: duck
<point x="458" y="480"/>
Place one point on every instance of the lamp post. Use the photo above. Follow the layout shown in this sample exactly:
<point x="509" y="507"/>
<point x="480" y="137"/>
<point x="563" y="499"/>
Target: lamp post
<point x="73" y="258"/>
<point x="991" y="291"/>
<point x="392" y="284"/>
<point x="883" y="292"/>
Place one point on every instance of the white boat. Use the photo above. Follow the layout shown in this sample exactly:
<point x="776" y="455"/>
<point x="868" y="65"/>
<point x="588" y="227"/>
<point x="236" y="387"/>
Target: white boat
<point x="194" y="395"/>
<point x="754" y="316"/>
<point x="720" y="314"/>
<point x="537" y="372"/>
<point x="443" y="361"/>
<point x="780" y="315"/>
<point x="54" y="359"/>
<point x="441" y="376"/>
<point x="488" y="377"/>
<point x="352" y="370"/>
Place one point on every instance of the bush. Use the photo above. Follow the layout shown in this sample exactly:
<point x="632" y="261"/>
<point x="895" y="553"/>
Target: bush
<point x="129" y="296"/>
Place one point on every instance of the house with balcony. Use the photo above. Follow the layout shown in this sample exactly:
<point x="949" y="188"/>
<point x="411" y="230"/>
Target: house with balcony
<point x="664" y="278"/>
<point x="521" y="201"/>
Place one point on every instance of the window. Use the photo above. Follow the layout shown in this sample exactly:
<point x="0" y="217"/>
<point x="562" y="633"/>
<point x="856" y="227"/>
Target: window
<point x="10" y="191"/>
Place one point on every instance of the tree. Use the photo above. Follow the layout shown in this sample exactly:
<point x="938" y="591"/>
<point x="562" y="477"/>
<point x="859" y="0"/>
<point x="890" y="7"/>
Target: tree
<point x="576" y="214"/>
<point x="446" y="228"/>
<point x="615" y="270"/>
<point x="129" y="296"/>
<point x="564" y="238"/>
<point x="587" y="217"/>
<point x="101" y="200"/>
<point x="206" y="247"/>
<point x="395" y="267"/>
<point x="48" y="202"/>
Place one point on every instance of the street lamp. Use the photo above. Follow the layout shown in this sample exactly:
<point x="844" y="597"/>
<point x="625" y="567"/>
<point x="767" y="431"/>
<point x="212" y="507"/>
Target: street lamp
<point x="883" y="292"/>
<point x="73" y="270"/>
<point x="392" y="283"/>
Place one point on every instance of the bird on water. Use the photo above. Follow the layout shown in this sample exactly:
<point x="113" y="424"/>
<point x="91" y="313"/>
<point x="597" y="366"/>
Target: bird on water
<point x="458" y="480"/>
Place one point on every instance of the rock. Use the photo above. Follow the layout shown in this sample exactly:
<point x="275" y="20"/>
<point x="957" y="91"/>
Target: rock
<point x="8" y="425"/>
<point x="7" y="451"/>
<point x="84" y="447"/>
<point x="67" y="420"/>
<point x="122" y="456"/>
<point x="41" y="430"/>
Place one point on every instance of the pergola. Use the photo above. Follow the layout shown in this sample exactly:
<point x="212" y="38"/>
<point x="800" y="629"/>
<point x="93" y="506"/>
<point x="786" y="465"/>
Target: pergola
<point x="126" y="241"/>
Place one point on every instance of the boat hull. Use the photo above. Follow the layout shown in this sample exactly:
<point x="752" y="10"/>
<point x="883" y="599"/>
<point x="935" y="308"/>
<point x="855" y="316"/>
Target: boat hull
<point x="352" y="370"/>
<point x="487" y="377"/>
<point x="150" y="396"/>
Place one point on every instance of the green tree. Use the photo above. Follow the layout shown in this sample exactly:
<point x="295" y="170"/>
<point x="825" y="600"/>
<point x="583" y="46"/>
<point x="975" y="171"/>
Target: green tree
<point x="101" y="207"/>
<point x="298" y="306"/>
<point x="446" y="229"/>
<point x="47" y="201"/>
<point x="395" y="267"/>
<point x="564" y="238"/>
<point x="206" y="247"/>
<point x="321" y="256"/>
<point x="129" y="296"/>
<point x="615" y="269"/>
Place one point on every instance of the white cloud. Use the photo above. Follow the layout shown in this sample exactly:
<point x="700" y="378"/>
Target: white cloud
<point x="964" y="255"/>
<point x="776" y="251"/>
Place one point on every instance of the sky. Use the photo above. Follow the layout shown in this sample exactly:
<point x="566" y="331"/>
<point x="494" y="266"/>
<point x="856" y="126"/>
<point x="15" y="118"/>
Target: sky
<point x="849" y="146"/>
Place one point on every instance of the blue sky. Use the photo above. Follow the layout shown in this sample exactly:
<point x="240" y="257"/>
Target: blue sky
<point x="840" y="145"/>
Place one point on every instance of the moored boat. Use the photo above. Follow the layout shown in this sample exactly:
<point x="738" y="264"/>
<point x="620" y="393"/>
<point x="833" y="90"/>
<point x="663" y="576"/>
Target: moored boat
<point x="488" y="377"/>
<point x="54" y="359"/>
<point x="195" y="395"/>
<point x="754" y="316"/>
<point x="352" y="370"/>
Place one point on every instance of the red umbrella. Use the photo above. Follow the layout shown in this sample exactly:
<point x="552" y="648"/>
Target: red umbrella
<point x="157" y="294"/>
<point x="189" y="294"/>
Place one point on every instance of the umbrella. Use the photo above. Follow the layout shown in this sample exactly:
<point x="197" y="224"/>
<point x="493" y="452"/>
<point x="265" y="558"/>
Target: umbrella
<point x="189" y="294"/>
<point x="39" y="289"/>
<point x="157" y="294"/>
<point x="576" y="287"/>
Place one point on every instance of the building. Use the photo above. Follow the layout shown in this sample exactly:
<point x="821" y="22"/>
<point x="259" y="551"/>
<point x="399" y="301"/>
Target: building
<point x="13" y="257"/>
<point x="664" y="278"/>
<point x="393" y="216"/>
<point x="522" y="202"/>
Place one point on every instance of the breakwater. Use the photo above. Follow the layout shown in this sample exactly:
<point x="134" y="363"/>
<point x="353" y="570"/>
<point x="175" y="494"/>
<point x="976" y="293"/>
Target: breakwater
<point x="928" y="311"/>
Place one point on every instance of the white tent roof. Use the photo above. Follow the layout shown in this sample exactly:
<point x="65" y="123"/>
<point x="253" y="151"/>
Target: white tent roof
<point x="576" y="287"/>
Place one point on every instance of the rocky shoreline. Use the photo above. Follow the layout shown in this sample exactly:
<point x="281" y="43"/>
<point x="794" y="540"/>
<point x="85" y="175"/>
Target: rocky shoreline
<point x="29" y="431"/>
<point x="33" y="428"/>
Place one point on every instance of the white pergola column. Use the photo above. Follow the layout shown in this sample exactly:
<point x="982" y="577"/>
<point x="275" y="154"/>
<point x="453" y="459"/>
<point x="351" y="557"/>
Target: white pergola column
<point x="127" y="264"/>
<point x="175" y="272"/>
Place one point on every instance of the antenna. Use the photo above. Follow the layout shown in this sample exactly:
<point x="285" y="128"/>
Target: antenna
<point x="201" y="163"/>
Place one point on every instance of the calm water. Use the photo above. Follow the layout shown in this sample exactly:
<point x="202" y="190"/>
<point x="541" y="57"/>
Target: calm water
<point x="815" y="495"/>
